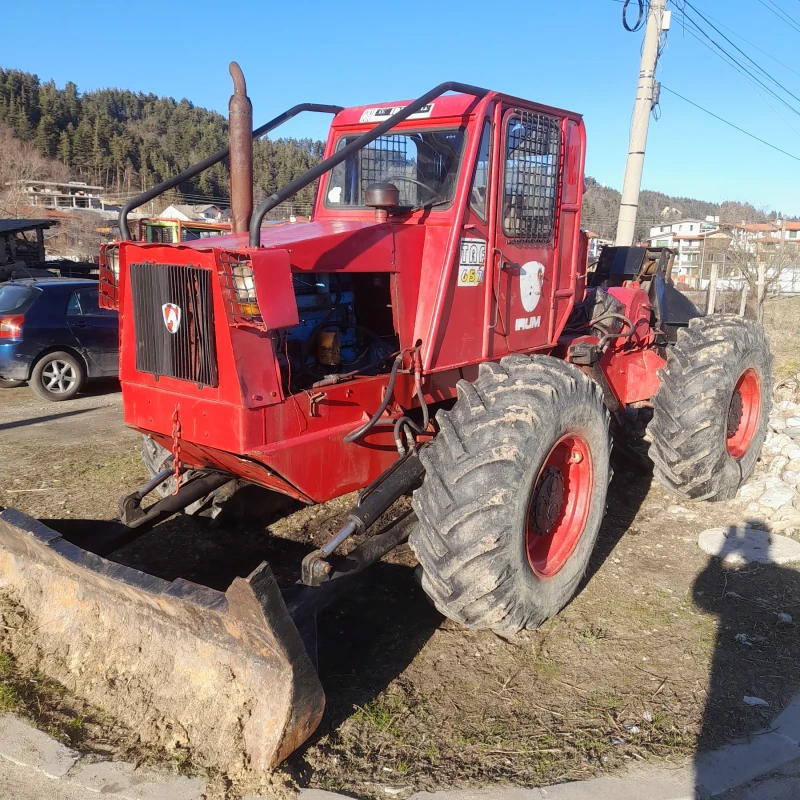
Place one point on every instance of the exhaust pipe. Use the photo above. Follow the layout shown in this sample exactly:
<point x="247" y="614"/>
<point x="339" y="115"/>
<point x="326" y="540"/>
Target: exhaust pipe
<point x="240" y="136"/>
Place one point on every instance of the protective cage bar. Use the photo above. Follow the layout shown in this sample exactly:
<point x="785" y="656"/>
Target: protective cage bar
<point x="362" y="141"/>
<point x="176" y="338"/>
<point x="533" y="153"/>
<point x="214" y="158"/>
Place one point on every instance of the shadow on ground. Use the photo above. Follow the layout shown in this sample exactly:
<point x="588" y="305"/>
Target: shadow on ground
<point x="756" y="651"/>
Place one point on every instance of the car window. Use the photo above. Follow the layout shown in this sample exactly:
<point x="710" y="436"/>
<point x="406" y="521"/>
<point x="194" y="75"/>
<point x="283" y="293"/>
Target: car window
<point x="90" y="303"/>
<point x="73" y="305"/>
<point x="13" y="296"/>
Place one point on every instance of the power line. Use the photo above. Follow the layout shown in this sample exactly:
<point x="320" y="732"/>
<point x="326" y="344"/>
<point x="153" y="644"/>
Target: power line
<point x="755" y="86"/>
<point x="736" y="127"/>
<point x="746" y="41"/>
<point x="743" y="68"/>
<point x="780" y="14"/>
<point x="739" y="49"/>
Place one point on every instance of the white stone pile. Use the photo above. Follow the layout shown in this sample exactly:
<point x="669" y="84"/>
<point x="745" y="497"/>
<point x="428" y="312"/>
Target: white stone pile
<point x="773" y="493"/>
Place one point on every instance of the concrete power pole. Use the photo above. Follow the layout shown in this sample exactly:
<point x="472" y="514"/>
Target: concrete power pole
<point x="642" y="108"/>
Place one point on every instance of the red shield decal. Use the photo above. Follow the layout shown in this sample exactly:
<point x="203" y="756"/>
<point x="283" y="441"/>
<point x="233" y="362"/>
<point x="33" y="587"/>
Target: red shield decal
<point x="172" y="316"/>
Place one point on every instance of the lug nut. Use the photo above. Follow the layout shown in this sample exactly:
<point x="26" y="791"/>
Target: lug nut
<point x="575" y="457"/>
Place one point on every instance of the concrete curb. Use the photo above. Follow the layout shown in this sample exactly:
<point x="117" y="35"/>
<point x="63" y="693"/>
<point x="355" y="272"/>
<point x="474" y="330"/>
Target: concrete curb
<point x="24" y="745"/>
<point x="711" y="775"/>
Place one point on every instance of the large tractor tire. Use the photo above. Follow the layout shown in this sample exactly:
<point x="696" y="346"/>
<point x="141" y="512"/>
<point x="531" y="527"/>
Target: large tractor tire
<point x="711" y="410"/>
<point x="513" y="495"/>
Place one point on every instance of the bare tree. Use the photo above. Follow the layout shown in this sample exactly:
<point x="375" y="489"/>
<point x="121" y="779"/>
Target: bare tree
<point x="761" y="260"/>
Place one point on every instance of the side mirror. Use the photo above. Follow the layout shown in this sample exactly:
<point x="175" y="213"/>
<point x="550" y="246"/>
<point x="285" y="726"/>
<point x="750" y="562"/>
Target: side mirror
<point x="383" y="197"/>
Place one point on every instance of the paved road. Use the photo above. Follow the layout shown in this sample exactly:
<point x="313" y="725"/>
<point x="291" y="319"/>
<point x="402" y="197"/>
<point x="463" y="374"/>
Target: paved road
<point x="25" y="783"/>
<point x="784" y="784"/>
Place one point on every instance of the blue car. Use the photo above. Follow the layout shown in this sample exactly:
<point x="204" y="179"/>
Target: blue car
<point x="54" y="335"/>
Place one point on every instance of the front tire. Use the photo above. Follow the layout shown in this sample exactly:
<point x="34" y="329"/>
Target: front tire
<point x="514" y="494"/>
<point x="711" y="410"/>
<point x="58" y="376"/>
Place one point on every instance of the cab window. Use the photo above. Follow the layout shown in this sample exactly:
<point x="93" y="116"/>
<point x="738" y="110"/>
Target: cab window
<point x="480" y="180"/>
<point x="530" y="194"/>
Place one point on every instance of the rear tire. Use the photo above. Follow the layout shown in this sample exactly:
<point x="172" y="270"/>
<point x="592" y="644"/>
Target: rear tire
<point x="58" y="376"/>
<point x="711" y="410"/>
<point x="8" y="384"/>
<point x="507" y="521"/>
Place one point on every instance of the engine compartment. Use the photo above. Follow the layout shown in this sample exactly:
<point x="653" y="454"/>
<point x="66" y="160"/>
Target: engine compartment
<point x="346" y="329"/>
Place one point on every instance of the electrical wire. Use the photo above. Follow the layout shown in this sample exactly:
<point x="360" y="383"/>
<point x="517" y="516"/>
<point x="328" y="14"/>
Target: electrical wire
<point x="731" y="124"/>
<point x="735" y="66"/>
<point x="781" y="14"/>
<point x="639" y="20"/>
<point x="739" y="49"/>
<point x="743" y="69"/>
<point x="740" y="37"/>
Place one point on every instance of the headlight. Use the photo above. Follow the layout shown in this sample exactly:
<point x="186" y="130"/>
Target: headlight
<point x="245" y="286"/>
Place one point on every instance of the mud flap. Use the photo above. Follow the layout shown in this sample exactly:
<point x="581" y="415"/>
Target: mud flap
<point x="226" y="675"/>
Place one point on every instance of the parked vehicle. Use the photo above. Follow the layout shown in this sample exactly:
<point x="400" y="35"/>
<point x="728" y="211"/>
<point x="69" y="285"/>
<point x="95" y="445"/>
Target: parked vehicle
<point x="54" y="336"/>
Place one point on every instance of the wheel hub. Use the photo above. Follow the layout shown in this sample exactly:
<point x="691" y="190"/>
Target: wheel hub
<point x="559" y="505"/>
<point x="547" y="501"/>
<point x="734" y="414"/>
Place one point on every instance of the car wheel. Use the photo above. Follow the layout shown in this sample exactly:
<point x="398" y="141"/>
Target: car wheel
<point x="7" y="384"/>
<point x="58" y="376"/>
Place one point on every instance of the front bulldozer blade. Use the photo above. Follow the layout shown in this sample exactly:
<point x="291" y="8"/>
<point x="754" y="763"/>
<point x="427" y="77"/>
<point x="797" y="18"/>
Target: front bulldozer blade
<point x="223" y="674"/>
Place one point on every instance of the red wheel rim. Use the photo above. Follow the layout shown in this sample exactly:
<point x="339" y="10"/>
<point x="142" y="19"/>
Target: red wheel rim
<point x="559" y="505"/>
<point x="743" y="413"/>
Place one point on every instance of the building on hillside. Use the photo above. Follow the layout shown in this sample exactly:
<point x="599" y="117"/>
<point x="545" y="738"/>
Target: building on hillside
<point x="776" y="245"/>
<point x="192" y="212"/>
<point x="662" y="235"/>
<point x="687" y="237"/>
<point x="53" y="194"/>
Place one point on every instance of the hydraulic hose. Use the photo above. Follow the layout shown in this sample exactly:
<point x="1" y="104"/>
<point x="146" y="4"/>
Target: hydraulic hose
<point x="373" y="420"/>
<point x="404" y="424"/>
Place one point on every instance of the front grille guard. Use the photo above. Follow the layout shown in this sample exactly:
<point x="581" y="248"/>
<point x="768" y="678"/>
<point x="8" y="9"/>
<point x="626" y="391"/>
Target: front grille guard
<point x="174" y="321"/>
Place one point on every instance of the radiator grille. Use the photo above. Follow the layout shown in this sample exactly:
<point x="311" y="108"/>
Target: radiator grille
<point x="189" y="353"/>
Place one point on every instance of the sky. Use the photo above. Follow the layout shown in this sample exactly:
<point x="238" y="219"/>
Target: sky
<point x="574" y="54"/>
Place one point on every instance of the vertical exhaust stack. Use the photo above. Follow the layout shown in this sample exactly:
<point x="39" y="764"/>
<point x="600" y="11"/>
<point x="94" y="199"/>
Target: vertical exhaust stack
<point x="240" y="135"/>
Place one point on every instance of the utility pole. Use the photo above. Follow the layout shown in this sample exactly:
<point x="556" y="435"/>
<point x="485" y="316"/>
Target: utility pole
<point x="657" y="20"/>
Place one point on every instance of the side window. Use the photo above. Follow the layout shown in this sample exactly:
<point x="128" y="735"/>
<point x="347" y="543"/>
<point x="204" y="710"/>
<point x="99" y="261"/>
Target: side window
<point x="530" y="194"/>
<point x="90" y="304"/>
<point x="73" y="305"/>
<point x="480" y="180"/>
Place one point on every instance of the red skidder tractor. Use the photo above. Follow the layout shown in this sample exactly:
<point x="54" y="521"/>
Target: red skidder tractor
<point x="433" y="326"/>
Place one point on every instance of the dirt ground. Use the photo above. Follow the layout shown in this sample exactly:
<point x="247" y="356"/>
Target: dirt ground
<point x="644" y="664"/>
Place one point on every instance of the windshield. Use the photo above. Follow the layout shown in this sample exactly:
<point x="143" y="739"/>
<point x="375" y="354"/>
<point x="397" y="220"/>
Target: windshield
<point x="423" y="165"/>
<point x="13" y="296"/>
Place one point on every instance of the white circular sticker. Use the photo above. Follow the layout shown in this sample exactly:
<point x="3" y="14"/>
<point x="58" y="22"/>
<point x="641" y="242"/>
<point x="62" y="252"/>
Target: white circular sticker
<point x="531" y="278"/>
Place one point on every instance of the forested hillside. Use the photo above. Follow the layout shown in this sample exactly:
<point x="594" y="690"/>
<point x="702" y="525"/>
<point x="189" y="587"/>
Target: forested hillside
<point x="128" y="141"/>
